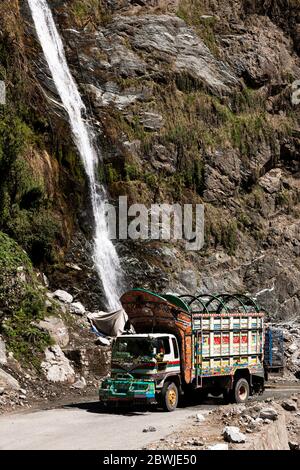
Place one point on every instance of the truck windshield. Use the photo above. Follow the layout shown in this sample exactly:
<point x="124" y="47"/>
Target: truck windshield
<point x="133" y="348"/>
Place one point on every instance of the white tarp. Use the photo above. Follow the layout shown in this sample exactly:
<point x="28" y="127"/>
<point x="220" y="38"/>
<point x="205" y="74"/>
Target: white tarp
<point x="110" y="324"/>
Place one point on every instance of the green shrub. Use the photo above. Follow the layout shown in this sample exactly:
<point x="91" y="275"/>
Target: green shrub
<point x="36" y="230"/>
<point x="23" y="336"/>
<point x="21" y="303"/>
<point x="132" y="173"/>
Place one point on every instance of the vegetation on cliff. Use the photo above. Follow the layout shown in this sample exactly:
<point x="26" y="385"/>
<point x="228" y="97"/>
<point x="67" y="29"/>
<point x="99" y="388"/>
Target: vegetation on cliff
<point x="22" y="303"/>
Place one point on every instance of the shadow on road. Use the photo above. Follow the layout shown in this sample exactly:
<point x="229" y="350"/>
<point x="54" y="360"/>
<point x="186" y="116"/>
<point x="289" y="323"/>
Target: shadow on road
<point x="97" y="407"/>
<point x="136" y="410"/>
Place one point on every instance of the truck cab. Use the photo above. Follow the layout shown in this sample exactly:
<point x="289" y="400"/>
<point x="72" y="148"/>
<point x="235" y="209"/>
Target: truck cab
<point x="141" y="366"/>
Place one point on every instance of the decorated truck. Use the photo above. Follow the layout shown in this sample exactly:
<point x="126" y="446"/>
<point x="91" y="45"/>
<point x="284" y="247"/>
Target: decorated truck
<point x="187" y="344"/>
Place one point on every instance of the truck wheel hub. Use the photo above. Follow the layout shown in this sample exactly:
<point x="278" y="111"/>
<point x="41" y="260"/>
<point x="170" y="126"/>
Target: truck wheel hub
<point x="242" y="392"/>
<point x="172" y="396"/>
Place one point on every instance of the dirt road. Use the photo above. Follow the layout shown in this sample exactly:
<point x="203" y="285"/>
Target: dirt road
<point x="84" y="426"/>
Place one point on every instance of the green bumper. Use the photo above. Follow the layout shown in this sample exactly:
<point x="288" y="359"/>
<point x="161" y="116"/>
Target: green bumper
<point x="127" y="389"/>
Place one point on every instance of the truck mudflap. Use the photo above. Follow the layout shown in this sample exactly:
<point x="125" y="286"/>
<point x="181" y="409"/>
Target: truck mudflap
<point x="126" y="388"/>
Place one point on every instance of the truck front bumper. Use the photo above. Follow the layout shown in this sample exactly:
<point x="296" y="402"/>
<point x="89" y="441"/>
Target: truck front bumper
<point x="127" y="391"/>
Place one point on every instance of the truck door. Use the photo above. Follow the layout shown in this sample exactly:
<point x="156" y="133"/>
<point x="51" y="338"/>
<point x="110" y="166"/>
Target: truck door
<point x="171" y="360"/>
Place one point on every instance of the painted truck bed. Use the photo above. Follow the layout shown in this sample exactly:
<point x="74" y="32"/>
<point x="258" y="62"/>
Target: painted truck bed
<point x="222" y="343"/>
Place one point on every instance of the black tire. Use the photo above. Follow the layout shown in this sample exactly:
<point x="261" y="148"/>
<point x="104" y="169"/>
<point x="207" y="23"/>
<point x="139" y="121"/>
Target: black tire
<point x="169" y="396"/>
<point x="241" y="391"/>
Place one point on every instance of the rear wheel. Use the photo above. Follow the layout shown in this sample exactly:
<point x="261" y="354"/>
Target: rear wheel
<point x="241" y="391"/>
<point x="169" y="396"/>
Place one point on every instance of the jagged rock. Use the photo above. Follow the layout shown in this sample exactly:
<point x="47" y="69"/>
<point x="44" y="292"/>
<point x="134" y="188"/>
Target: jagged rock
<point x="294" y="445"/>
<point x="189" y="280"/>
<point x="197" y="443"/>
<point x="56" y="366"/>
<point x="80" y="384"/>
<point x="219" y="186"/>
<point x="8" y="382"/>
<point x="289" y="405"/>
<point x="73" y="266"/>
<point x="271" y="182"/>
<point x="3" y="357"/>
<point x="63" y="296"/>
<point x="57" y="330"/>
<point x="77" y="308"/>
<point x="268" y="414"/>
<point x="200" y="418"/>
<point x="233" y="434"/>
<point x="293" y="348"/>
<point x="151" y="121"/>
<point x="103" y="98"/>
<point x="254" y="56"/>
<point x="152" y="42"/>
<point x="149" y="429"/>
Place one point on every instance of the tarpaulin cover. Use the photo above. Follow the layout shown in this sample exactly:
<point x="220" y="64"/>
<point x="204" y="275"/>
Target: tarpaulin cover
<point x="111" y="324"/>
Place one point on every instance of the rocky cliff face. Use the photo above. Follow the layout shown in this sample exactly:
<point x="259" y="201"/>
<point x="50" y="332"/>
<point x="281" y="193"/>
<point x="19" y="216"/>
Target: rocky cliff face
<point x="193" y="101"/>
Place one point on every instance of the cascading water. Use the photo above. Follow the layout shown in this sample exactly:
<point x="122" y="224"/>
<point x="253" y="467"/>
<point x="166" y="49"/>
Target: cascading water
<point x="105" y="255"/>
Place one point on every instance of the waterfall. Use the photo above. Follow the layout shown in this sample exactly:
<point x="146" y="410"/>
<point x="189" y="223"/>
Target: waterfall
<point x="105" y="256"/>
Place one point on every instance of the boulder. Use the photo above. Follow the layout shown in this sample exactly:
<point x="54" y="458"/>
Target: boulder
<point x="80" y="383"/>
<point x="57" y="330"/>
<point x="268" y="414"/>
<point x="3" y="357"/>
<point x="8" y="382"/>
<point x="77" y="308"/>
<point x="233" y="434"/>
<point x="56" y="366"/>
<point x="289" y="405"/>
<point x="63" y="296"/>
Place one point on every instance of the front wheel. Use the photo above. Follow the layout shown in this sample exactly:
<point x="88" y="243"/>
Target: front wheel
<point x="241" y="391"/>
<point x="169" y="397"/>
